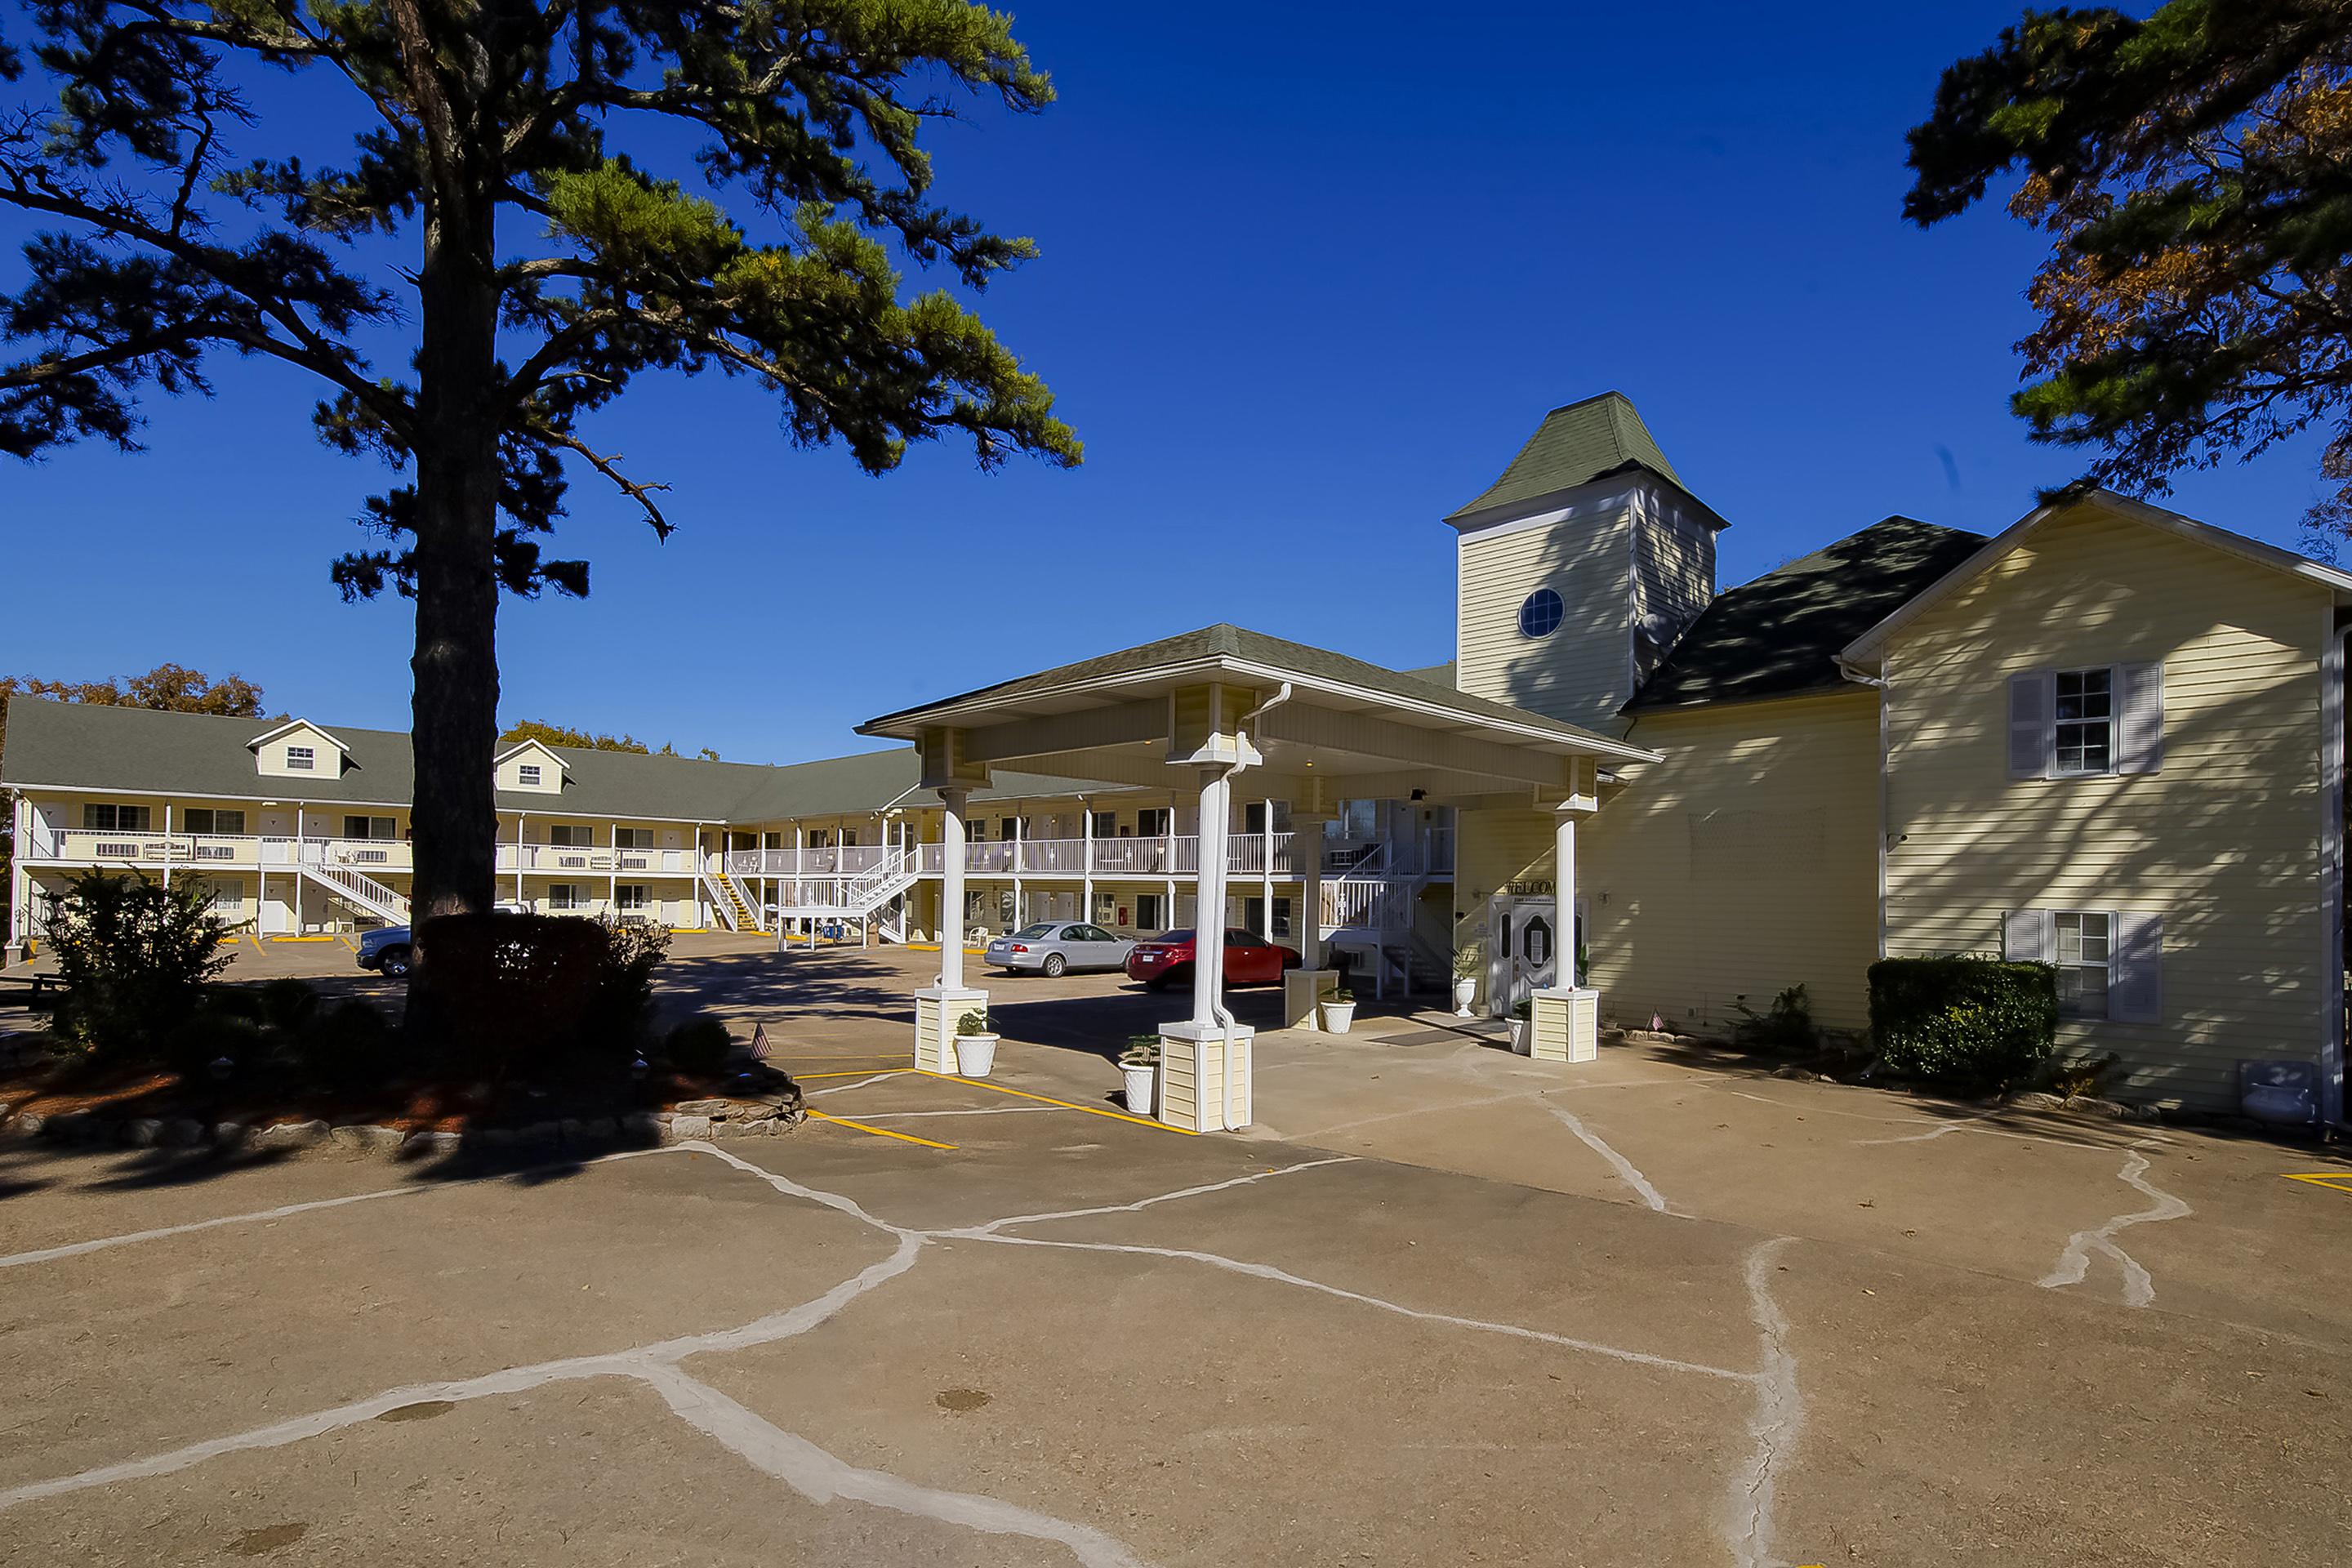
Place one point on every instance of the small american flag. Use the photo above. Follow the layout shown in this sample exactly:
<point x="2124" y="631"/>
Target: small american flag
<point x="760" y="1043"/>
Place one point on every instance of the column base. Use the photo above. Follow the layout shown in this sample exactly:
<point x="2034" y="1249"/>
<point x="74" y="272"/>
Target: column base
<point x="937" y="1008"/>
<point x="1301" y="989"/>
<point x="1566" y="1025"/>
<point x="1195" y="1060"/>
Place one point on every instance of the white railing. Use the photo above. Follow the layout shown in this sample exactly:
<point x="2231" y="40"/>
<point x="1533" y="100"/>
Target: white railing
<point x="1149" y="857"/>
<point x="145" y="849"/>
<point x="355" y="885"/>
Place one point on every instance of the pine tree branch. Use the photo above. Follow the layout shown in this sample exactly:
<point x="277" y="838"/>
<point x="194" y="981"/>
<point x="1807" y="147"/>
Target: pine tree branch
<point x="607" y="466"/>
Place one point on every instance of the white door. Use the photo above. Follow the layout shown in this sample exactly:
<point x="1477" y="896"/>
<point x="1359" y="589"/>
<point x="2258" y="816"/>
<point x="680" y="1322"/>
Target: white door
<point x="1522" y="949"/>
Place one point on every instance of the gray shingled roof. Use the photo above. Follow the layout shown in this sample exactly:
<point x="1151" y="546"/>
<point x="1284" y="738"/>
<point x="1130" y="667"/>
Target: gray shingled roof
<point x="1575" y="444"/>
<point x="1780" y="634"/>
<point x="1229" y="641"/>
<point x="136" y="749"/>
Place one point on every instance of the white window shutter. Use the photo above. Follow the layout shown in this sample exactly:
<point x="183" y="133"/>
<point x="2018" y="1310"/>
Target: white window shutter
<point x="2136" y="969"/>
<point x="2139" y="718"/>
<point x="2032" y="723"/>
<point x="2025" y="936"/>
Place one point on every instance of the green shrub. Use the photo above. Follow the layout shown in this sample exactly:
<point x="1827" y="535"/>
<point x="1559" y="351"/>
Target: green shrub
<point x="513" y="993"/>
<point x="134" y="957"/>
<point x="347" y="1046"/>
<point x="625" y="981"/>
<point x="288" y="1003"/>
<point x="209" y="1034"/>
<point x="973" y="1023"/>
<point x="1971" y="1020"/>
<point x="1787" y="1030"/>
<point x="698" y="1046"/>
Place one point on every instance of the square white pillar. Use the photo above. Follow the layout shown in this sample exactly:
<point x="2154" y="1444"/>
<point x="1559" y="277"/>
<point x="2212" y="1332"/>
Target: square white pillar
<point x="1301" y="989"/>
<point x="937" y="1009"/>
<point x="1566" y="1025"/>
<point x="1204" y="1077"/>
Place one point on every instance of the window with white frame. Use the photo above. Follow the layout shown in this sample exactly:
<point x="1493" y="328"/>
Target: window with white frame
<point x="215" y="820"/>
<point x="371" y="827"/>
<point x="300" y="759"/>
<point x="2109" y="963"/>
<point x="528" y="773"/>
<point x="632" y="897"/>
<point x="632" y="837"/>
<point x="2083" y="951"/>
<point x="228" y="900"/>
<point x="566" y="896"/>
<point x="106" y="816"/>
<point x="2085" y="717"/>
<point x="1151" y="822"/>
<point x="569" y="836"/>
<point x="2091" y="722"/>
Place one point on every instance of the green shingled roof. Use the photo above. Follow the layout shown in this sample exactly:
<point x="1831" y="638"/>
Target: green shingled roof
<point x="1780" y="635"/>
<point x="65" y="744"/>
<point x="1574" y="445"/>
<point x="1228" y="641"/>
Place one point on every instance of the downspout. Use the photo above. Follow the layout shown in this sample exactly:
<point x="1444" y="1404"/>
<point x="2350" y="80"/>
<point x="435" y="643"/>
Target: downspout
<point x="1216" y="998"/>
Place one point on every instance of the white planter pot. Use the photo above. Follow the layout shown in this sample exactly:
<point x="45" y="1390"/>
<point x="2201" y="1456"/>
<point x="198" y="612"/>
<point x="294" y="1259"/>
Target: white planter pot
<point x="1464" y="990"/>
<point x="1338" y="1017"/>
<point x="1520" y="1036"/>
<point x="975" y="1054"/>
<point x="1142" y="1086"/>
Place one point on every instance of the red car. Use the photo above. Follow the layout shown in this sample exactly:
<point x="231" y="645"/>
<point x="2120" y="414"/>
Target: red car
<point x="1167" y="960"/>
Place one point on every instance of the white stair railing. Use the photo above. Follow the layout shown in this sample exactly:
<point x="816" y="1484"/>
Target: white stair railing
<point x="715" y="892"/>
<point x="357" y="887"/>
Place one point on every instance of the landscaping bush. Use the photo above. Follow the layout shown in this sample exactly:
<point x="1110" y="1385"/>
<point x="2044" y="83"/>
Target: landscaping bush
<point x="1970" y="1020"/>
<point x="134" y="957"/>
<point x="698" y="1046"/>
<point x="625" y="984"/>
<point x="514" y="993"/>
<point x="287" y="1002"/>
<point x="347" y="1046"/>
<point x="1786" y="1030"/>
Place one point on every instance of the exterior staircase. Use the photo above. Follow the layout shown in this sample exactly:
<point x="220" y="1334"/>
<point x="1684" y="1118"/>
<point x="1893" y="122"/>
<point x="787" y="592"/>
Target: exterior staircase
<point x="734" y="911"/>
<point x="860" y="895"/>
<point x="1373" y="910"/>
<point x="354" y="886"/>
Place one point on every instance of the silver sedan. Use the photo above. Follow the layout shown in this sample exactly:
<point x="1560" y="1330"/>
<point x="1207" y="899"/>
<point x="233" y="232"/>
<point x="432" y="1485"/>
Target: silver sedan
<point x="1056" y="947"/>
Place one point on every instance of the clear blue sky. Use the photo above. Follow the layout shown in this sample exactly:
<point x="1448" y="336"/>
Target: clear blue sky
<point x="1309" y="277"/>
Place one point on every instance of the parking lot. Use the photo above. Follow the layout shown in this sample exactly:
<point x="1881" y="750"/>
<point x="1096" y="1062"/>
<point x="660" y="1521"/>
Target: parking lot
<point x="1441" y="1305"/>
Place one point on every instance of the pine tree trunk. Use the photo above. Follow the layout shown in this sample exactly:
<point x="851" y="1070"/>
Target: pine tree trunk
<point x="454" y="716"/>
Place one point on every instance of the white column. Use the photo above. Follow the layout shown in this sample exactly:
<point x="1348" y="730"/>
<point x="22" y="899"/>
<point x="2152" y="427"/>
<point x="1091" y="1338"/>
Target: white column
<point x="1087" y="858"/>
<point x="521" y="856"/>
<point x="1020" y="910"/>
<point x="1265" y="868"/>
<point x="299" y="847"/>
<point x="1563" y="842"/>
<point x="953" y="803"/>
<point x="167" y="843"/>
<point x="1209" y="897"/>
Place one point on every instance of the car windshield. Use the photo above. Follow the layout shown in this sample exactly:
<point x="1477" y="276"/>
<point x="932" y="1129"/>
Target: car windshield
<point x="1043" y="929"/>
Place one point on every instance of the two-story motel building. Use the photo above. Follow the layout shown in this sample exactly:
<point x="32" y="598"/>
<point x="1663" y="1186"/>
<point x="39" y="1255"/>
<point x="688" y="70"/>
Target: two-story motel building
<point x="2110" y="737"/>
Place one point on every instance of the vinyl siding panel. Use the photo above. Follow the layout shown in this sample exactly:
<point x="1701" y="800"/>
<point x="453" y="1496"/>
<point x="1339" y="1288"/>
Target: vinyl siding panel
<point x="1579" y="672"/>
<point x="2224" y="843"/>
<point x="1673" y="573"/>
<point x="1743" y="863"/>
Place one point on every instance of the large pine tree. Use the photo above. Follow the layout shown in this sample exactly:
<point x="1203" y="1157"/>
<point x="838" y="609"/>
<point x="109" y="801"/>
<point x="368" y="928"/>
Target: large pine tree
<point x="511" y="167"/>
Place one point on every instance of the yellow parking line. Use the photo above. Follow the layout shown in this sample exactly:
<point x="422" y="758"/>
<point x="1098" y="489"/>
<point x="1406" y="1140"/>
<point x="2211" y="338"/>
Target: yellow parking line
<point x="1065" y="1104"/>
<point x="2337" y="1180"/>
<point x="853" y="1072"/>
<point x="877" y="1131"/>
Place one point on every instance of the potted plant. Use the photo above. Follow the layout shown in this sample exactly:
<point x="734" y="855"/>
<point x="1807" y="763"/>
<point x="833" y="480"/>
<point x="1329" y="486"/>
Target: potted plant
<point x="975" y="1045"/>
<point x="1469" y="958"/>
<point x="1338" y="1011"/>
<point x="1522" y="1023"/>
<point x="1139" y="1065"/>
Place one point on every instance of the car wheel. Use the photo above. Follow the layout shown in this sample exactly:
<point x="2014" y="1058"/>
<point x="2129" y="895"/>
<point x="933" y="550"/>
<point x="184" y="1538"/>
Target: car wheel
<point x="1168" y="980"/>
<point x="1055" y="964"/>
<point x="394" y="963"/>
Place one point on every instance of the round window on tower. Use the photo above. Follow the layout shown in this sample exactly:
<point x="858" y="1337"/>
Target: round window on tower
<point x="1541" y="616"/>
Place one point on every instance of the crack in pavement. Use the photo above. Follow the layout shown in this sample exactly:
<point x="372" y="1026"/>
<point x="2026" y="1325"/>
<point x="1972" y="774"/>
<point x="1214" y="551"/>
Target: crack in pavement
<point x="2074" y="1262"/>
<point x="822" y="1477"/>
<point x="1780" y="1412"/>
<point x="1617" y="1162"/>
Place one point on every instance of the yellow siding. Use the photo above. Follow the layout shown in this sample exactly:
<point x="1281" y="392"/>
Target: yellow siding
<point x="1673" y="573"/>
<point x="1492" y="850"/>
<point x="2224" y="842"/>
<point x="1743" y="863"/>
<point x="1579" y="673"/>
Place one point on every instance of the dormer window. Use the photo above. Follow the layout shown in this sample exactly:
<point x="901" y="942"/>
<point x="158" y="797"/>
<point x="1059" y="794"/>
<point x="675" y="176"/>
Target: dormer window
<point x="531" y="775"/>
<point x="300" y="759"/>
